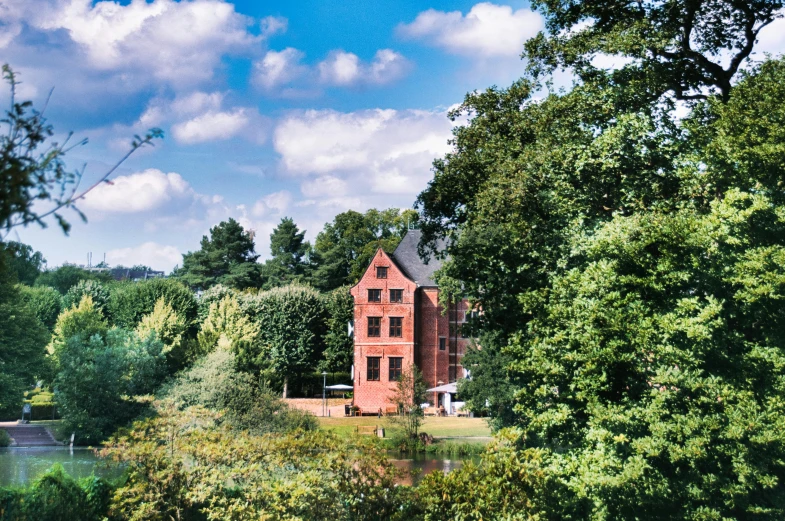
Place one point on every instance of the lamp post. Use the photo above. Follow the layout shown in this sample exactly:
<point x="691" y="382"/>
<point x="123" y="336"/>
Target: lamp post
<point x="324" y="392"/>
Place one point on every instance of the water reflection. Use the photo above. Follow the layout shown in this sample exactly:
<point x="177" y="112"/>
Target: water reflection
<point x="420" y="465"/>
<point x="20" y="466"/>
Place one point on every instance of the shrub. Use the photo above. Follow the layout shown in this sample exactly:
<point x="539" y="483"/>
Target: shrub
<point x="5" y="440"/>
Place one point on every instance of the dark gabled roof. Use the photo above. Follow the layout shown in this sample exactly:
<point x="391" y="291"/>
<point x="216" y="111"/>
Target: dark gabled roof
<point x="407" y="258"/>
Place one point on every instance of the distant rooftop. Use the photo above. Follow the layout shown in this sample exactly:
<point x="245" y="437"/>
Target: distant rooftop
<point x="409" y="261"/>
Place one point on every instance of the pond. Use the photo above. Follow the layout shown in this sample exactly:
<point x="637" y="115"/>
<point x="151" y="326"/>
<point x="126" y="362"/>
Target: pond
<point x="18" y="467"/>
<point x="21" y="466"/>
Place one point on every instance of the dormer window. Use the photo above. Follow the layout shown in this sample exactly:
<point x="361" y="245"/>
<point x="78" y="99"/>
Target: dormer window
<point x="374" y="295"/>
<point x="381" y="272"/>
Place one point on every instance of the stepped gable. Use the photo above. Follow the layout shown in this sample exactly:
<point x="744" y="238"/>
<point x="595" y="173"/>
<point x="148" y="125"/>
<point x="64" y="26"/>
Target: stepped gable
<point x="407" y="258"/>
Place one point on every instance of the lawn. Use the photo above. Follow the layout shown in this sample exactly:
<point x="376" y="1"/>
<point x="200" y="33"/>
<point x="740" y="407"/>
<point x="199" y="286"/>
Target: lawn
<point x="449" y="426"/>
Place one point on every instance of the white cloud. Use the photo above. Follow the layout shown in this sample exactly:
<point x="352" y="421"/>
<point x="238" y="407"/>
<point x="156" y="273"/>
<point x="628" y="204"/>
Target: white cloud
<point x="345" y="68"/>
<point x="328" y="185"/>
<point x="278" y="68"/>
<point x="379" y="151"/>
<point x="199" y="117"/>
<point x="140" y="192"/>
<point x="211" y="126"/>
<point x="157" y="256"/>
<point x="275" y="203"/>
<point x="178" y="42"/>
<point x="272" y="25"/>
<point x="487" y="30"/>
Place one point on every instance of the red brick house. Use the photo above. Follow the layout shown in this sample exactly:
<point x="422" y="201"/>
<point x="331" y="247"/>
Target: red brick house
<point x="398" y="321"/>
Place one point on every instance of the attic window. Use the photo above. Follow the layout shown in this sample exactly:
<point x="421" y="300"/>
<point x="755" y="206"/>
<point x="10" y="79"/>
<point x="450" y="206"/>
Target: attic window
<point x="381" y="272"/>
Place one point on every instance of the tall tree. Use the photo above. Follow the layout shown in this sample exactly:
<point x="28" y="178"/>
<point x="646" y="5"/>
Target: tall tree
<point x="289" y="250"/>
<point x="25" y="262"/>
<point x="226" y="257"/>
<point x="345" y="247"/>
<point x="67" y="276"/>
<point x="689" y="48"/>
<point x="22" y="344"/>
<point x="291" y="323"/>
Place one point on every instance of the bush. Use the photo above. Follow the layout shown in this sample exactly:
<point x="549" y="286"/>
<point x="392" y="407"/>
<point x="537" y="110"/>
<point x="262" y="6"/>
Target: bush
<point x="5" y="441"/>
<point x="215" y="383"/>
<point x="56" y="496"/>
<point x="130" y="301"/>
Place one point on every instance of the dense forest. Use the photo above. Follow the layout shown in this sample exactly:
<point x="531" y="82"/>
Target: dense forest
<point x="624" y="238"/>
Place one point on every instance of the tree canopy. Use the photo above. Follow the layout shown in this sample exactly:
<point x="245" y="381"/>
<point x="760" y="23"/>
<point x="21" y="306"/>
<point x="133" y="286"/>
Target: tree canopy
<point x="226" y="257"/>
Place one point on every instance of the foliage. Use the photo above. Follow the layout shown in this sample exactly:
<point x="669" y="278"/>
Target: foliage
<point x="677" y="46"/>
<point x="291" y="325"/>
<point x="182" y="466"/>
<point x="45" y="302"/>
<point x="101" y="379"/>
<point x="168" y="326"/>
<point x="489" y="390"/>
<point x="55" y="496"/>
<point x="506" y="484"/>
<point x="5" y="441"/>
<point x="227" y="257"/>
<point x="82" y="321"/>
<point x="25" y="262"/>
<point x="628" y="261"/>
<point x="22" y="344"/>
<point x="227" y="327"/>
<point x="289" y="249"/>
<point x="408" y="394"/>
<point x="345" y="247"/>
<point x="338" y="345"/>
<point x="131" y="301"/>
<point x="214" y="294"/>
<point x="67" y="276"/>
<point x="94" y="289"/>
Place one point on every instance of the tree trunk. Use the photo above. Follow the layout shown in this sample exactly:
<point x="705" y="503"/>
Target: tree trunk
<point x="285" y="385"/>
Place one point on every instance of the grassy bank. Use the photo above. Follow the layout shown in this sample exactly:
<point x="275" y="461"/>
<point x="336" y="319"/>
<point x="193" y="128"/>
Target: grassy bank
<point x="450" y="427"/>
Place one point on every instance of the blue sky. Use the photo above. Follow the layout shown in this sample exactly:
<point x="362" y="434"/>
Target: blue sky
<point x="302" y="108"/>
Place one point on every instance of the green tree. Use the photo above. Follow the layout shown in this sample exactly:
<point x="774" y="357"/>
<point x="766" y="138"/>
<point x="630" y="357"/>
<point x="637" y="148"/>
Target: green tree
<point x="227" y="257"/>
<point x="338" y="345"/>
<point x="408" y="394"/>
<point x="100" y="380"/>
<point x="289" y="249"/>
<point x="169" y="326"/>
<point x="22" y="345"/>
<point x="627" y="264"/>
<point x="130" y="301"/>
<point x="25" y="262"/>
<point x="208" y="297"/>
<point x="345" y="247"/>
<point x="681" y="47"/>
<point x="82" y="321"/>
<point x="227" y="328"/>
<point x="65" y="277"/>
<point x="291" y="322"/>
<point x="94" y="289"/>
<point x="45" y="302"/>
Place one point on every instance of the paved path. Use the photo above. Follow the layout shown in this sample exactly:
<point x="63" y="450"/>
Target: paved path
<point x="28" y="435"/>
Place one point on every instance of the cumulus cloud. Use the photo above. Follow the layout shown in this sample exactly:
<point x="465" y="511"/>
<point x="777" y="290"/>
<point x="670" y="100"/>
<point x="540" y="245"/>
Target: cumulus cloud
<point x="139" y="192"/>
<point x="177" y="42"/>
<point x="340" y="69"/>
<point x="345" y="68"/>
<point x="199" y="117"/>
<point x="211" y="126"/>
<point x="276" y="203"/>
<point x="157" y="256"/>
<point x="272" y="25"/>
<point x="487" y="30"/>
<point x="380" y="151"/>
<point x="278" y="68"/>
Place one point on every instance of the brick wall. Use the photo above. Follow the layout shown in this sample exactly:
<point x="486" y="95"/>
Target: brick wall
<point x="420" y="344"/>
<point x="374" y="395"/>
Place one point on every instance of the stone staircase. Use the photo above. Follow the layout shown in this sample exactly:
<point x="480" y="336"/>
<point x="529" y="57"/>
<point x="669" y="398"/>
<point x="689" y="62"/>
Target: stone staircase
<point x="29" y="436"/>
